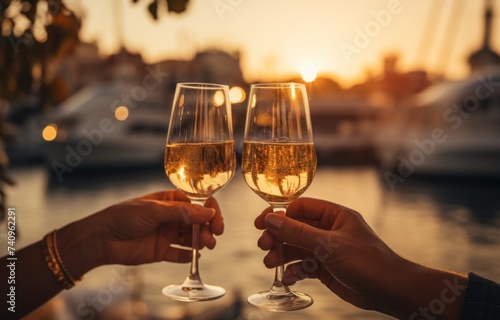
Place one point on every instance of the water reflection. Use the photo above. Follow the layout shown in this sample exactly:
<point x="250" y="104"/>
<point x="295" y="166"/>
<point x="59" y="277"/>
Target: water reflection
<point x="104" y="178"/>
<point x="478" y="196"/>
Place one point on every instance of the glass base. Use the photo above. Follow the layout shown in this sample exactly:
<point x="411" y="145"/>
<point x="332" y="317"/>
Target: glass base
<point x="280" y="302"/>
<point x="190" y="294"/>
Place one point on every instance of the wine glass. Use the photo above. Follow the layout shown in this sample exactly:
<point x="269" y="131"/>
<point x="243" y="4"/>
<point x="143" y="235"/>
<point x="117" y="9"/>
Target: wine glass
<point x="199" y="160"/>
<point x="278" y="163"/>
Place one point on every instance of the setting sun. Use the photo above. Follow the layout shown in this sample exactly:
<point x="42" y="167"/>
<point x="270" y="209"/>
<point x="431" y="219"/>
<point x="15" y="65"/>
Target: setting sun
<point x="309" y="71"/>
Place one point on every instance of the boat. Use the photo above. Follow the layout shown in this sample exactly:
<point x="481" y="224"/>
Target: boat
<point x="106" y="125"/>
<point x="344" y="129"/>
<point x="450" y="129"/>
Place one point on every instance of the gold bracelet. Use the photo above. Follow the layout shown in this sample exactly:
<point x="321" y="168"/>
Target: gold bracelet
<point x="59" y="259"/>
<point x="55" y="263"/>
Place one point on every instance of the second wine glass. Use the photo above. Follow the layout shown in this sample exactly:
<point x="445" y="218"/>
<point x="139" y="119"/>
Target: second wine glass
<point x="199" y="160"/>
<point x="278" y="163"/>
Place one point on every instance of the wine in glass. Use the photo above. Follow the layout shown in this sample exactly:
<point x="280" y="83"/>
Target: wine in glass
<point x="199" y="160"/>
<point x="278" y="163"/>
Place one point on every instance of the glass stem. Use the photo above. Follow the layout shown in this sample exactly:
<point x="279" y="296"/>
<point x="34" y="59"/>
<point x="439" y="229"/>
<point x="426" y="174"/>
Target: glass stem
<point x="279" y="288"/>
<point x="193" y="281"/>
<point x="194" y="272"/>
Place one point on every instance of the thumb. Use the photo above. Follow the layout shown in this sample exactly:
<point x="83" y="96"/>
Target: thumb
<point x="293" y="232"/>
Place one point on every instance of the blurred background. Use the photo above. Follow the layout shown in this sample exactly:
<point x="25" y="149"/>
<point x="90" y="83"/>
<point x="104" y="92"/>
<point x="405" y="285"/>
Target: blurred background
<point x="405" y="106"/>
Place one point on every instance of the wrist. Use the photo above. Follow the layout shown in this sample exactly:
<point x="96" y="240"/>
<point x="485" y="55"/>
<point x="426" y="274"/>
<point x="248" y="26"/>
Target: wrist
<point x="79" y="248"/>
<point x="430" y="293"/>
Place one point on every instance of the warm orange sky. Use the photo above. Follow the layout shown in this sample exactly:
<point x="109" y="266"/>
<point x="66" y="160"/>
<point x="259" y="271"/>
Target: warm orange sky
<point x="280" y="36"/>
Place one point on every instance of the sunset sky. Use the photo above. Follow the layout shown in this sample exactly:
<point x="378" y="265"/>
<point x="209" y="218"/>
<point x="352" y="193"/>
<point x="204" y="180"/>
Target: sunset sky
<point x="344" y="39"/>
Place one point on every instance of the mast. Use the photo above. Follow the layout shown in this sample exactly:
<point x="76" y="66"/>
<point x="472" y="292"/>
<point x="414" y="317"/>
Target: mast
<point x="485" y="57"/>
<point x="488" y="18"/>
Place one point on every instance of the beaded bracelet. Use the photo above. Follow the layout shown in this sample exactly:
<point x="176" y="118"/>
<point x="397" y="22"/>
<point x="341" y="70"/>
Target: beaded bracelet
<point x="54" y="262"/>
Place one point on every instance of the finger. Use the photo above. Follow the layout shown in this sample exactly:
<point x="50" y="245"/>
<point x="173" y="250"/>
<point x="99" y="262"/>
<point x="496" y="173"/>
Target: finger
<point x="169" y="246"/>
<point x="259" y="221"/>
<point x="295" y="272"/>
<point x="266" y="241"/>
<point x="177" y="255"/>
<point x="183" y="236"/>
<point x="159" y="212"/>
<point x="206" y="237"/>
<point x="291" y="253"/>
<point x="295" y="232"/>
<point x="167" y="195"/>
<point x="314" y="209"/>
<point x="185" y="240"/>
<point x="217" y="223"/>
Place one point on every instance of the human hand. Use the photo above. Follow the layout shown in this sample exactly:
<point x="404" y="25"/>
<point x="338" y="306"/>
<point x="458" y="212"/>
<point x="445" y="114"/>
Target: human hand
<point x="143" y="230"/>
<point x="334" y="244"/>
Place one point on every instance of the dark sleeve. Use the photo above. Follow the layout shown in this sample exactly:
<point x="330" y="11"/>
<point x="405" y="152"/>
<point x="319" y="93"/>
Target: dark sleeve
<point x="482" y="299"/>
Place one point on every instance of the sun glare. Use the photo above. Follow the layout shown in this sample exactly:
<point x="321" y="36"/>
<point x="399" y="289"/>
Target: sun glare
<point x="309" y="71"/>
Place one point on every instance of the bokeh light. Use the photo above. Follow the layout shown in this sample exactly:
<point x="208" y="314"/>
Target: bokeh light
<point x="237" y="95"/>
<point x="49" y="133"/>
<point x="219" y="98"/>
<point x="121" y="113"/>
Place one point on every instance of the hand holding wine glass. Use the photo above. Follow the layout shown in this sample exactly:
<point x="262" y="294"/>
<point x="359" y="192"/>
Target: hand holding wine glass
<point x="278" y="163"/>
<point x="199" y="160"/>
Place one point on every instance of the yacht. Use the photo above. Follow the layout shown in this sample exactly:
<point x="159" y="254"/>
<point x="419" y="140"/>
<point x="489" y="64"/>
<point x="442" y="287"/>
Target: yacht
<point x="106" y="125"/>
<point x="452" y="128"/>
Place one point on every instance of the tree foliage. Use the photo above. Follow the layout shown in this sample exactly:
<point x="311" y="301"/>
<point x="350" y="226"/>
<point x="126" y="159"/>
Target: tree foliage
<point x="35" y="35"/>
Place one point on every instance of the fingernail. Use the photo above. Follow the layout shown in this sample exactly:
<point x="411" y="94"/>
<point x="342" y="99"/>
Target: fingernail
<point x="207" y="212"/>
<point x="274" y="221"/>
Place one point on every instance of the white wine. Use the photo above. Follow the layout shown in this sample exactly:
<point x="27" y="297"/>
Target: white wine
<point x="278" y="172"/>
<point x="200" y="169"/>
